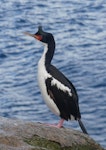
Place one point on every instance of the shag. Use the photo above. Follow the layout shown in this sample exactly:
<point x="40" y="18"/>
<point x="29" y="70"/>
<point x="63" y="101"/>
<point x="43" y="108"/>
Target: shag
<point x="58" y="92"/>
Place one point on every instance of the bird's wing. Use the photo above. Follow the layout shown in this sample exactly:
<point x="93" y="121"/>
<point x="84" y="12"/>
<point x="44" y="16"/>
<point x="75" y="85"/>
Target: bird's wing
<point x="63" y="93"/>
<point x="59" y="76"/>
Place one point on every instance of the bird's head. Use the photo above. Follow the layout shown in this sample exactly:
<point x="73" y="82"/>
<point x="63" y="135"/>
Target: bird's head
<point x="42" y="36"/>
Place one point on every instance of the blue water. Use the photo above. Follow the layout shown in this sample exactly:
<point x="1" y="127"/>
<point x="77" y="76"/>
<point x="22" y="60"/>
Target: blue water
<point x="79" y="28"/>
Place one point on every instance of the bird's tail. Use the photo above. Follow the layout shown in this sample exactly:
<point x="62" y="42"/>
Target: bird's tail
<point x="82" y="126"/>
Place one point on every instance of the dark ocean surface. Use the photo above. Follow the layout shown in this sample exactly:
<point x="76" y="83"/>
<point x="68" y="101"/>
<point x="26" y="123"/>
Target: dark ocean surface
<point x="79" y="28"/>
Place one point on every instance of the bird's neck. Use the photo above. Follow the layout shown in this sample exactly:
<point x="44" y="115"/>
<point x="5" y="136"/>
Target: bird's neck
<point x="48" y="53"/>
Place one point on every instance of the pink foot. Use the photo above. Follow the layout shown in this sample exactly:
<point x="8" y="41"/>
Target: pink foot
<point x="59" y="125"/>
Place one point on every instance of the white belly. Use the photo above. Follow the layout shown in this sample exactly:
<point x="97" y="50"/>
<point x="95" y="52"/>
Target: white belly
<point x="42" y="76"/>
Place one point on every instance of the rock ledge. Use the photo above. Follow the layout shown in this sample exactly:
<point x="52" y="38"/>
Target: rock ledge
<point x="21" y="135"/>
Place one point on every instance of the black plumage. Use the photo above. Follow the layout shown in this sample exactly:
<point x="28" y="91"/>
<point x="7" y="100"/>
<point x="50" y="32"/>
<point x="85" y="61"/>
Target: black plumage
<point x="68" y="105"/>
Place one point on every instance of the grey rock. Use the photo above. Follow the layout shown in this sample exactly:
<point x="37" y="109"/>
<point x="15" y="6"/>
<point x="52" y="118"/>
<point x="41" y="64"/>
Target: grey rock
<point x="22" y="135"/>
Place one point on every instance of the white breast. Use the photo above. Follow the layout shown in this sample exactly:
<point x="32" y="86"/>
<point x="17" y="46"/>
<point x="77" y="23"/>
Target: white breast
<point x="42" y="76"/>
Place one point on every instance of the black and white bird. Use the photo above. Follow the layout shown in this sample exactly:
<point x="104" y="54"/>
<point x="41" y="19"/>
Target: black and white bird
<point x="58" y="92"/>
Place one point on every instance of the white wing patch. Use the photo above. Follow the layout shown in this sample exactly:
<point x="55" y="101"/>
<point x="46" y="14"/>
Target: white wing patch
<point x="61" y="86"/>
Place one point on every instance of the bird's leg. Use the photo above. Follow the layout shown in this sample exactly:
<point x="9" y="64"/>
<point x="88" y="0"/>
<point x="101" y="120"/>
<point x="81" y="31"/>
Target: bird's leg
<point x="59" y="125"/>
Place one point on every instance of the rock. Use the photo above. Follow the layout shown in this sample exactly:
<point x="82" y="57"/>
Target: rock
<point x="21" y="135"/>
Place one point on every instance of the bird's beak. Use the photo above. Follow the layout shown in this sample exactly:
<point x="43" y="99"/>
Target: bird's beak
<point x="26" y="33"/>
<point x="38" y="37"/>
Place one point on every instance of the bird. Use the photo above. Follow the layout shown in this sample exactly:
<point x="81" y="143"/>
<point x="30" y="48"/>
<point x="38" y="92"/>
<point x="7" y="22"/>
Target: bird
<point x="57" y="90"/>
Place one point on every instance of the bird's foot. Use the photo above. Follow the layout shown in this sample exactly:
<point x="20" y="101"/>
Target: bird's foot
<point x="59" y="125"/>
<point x="53" y="125"/>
